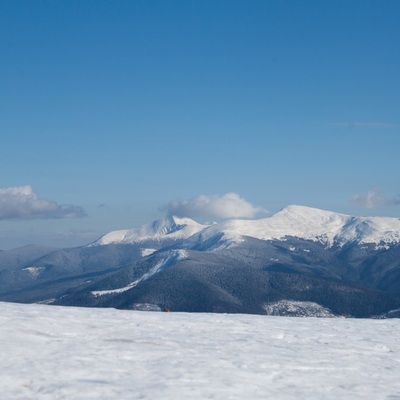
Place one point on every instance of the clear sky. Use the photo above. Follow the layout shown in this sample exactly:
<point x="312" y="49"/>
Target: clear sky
<point x="114" y="112"/>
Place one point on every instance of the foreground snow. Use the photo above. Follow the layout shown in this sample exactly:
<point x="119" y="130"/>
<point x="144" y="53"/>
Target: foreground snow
<point x="69" y="353"/>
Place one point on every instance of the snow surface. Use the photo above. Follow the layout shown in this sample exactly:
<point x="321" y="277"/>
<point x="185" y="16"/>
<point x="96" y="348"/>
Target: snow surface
<point x="34" y="271"/>
<point x="147" y="252"/>
<point x="172" y="257"/>
<point x="297" y="308"/>
<point x="51" y="352"/>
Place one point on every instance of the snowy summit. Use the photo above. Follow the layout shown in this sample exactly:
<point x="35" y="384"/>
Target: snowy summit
<point x="313" y="224"/>
<point x="170" y="227"/>
<point x="302" y="222"/>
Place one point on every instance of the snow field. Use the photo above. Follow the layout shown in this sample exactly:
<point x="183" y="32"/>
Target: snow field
<point x="53" y="352"/>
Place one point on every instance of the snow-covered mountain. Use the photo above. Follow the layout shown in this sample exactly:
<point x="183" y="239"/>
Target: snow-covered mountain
<point x="300" y="261"/>
<point x="326" y="227"/>
<point x="170" y="227"/>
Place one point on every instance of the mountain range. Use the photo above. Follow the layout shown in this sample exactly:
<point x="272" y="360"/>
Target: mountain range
<point x="301" y="261"/>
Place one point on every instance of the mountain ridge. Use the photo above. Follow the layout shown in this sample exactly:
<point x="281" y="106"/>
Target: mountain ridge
<point x="327" y="227"/>
<point x="300" y="261"/>
<point x="170" y="227"/>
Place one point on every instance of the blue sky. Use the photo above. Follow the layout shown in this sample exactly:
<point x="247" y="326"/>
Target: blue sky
<point x="110" y="110"/>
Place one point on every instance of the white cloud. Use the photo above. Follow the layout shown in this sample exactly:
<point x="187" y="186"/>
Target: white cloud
<point x="373" y="199"/>
<point x="21" y="202"/>
<point x="230" y="205"/>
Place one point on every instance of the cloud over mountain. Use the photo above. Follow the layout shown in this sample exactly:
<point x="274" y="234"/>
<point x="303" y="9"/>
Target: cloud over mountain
<point x="370" y="200"/>
<point x="229" y="205"/>
<point x="21" y="202"/>
<point x="373" y="199"/>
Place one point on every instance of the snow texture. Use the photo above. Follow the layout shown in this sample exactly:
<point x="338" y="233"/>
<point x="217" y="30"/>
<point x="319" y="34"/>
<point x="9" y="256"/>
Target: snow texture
<point x="298" y="309"/>
<point x="34" y="271"/>
<point x="147" y="252"/>
<point x="76" y="353"/>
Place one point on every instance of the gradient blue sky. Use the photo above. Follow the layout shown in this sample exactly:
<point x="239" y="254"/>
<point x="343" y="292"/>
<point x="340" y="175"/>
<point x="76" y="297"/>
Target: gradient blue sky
<point x="119" y="107"/>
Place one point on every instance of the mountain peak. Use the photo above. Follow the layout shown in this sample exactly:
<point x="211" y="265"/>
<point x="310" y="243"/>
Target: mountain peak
<point x="297" y="221"/>
<point x="307" y="211"/>
<point x="170" y="227"/>
<point x="307" y="223"/>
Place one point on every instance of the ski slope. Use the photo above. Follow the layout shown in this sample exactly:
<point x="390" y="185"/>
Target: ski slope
<point x="53" y="352"/>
